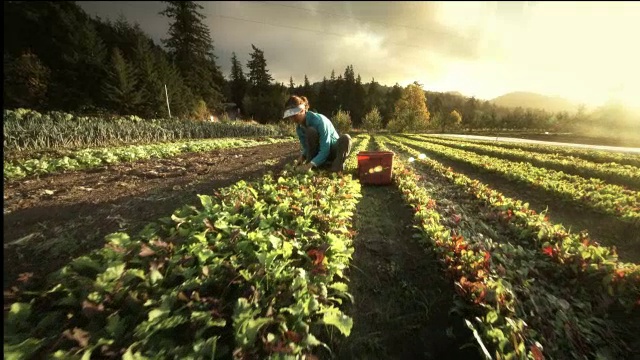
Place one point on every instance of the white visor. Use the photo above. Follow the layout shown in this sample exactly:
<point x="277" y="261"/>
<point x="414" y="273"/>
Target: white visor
<point x="294" y="110"/>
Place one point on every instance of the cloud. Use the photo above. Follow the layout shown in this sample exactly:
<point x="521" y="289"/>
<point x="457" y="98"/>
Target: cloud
<point x="388" y="41"/>
<point x="482" y="49"/>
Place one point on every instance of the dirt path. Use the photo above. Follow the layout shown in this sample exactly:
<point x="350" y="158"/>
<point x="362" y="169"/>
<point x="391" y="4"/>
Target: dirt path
<point x="402" y="300"/>
<point x="604" y="228"/>
<point x="50" y="220"/>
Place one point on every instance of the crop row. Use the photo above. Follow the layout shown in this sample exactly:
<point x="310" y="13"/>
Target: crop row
<point x="256" y="271"/>
<point x="28" y="130"/>
<point x="591" y="193"/>
<point x="611" y="172"/>
<point x="594" y="155"/>
<point x="91" y="158"/>
<point x="533" y="296"/>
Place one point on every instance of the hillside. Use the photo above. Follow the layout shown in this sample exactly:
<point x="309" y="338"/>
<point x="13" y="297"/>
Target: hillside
<point x="536" y="101"/>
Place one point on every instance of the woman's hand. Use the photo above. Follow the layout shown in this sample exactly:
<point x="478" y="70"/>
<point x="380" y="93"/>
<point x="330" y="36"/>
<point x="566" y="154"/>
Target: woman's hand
<point x="305" y="167"/>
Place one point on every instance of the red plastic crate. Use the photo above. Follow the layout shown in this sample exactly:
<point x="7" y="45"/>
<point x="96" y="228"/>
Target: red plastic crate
<point x="375" y="167"/>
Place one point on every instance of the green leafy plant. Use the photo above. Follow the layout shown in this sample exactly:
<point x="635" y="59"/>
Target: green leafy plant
<point x="593" y="193"/>
<point x="253" y="271"/>
<point x="91" y="158"/>
<point x="342" y="121"/>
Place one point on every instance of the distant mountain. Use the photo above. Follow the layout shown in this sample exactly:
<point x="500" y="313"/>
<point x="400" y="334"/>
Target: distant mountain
<point x="535" y="101"/>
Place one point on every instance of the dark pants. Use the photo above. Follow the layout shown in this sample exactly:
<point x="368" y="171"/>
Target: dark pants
<point x="337" y="154"/>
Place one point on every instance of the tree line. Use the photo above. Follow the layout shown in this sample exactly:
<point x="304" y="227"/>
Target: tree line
<point x="57" y="57"/>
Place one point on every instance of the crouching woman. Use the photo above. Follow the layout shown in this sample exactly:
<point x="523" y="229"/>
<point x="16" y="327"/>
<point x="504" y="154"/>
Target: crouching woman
<point x="321" y="145"/>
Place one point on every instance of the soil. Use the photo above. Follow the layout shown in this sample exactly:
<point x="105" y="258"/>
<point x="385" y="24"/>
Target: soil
<point x="52" y="219"/>
<point x="402" y="300"/>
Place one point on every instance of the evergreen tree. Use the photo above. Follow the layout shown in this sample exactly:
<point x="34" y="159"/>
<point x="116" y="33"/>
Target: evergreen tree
<point x="338" y="94"/>
<point x="374" y="95"/>
<point x="150" y="83"/>
<point x="358" y="102"/>
<point x="181" y="99"/>
<point x="307" y="86"/>
<point x="264" y="100"/>
<point x="26" y="81"/>
<point x="259" y="77"/>
<point x="238" y="83"/>
<point x="121" y="87"/>
<point x="346" y="91"/>
<point x="292" y="86"/>
<point x="191" y="47"/>
<point x="372" y="121"/>
<point x="333" y="86"/>
<point x="324" y="98"/>
<point x="307" y="90"/>
<point x="391" y="99"/>
<point x="65" y="39"/>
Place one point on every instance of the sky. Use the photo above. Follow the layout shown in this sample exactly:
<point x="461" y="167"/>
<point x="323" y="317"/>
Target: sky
<point x="585" y="52"/>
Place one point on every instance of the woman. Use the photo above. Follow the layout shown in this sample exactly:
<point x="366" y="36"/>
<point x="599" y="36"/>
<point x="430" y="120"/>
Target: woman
<point x="321" y="146"/>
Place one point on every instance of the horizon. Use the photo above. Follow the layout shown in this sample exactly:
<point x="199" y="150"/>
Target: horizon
<point x="479" y="49"/>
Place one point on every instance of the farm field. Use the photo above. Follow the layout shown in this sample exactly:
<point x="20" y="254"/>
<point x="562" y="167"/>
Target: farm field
<point x="155" y="206"/>
<point x="515" y="252"/>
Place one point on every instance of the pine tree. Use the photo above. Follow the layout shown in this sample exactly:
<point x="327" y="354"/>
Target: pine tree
<point x="346" y="91"/>
<point x="372" y="121"/>
<point x="191" y="47"/>
<point x="181" y="99"/>
<point x="308" y="91"/>
<point x="374" y="95"/>
<point x="338" y="98"/>
<point x="121" y="87"/>
<point x="26" y="81"/>
<point x="324" y="98"/>
<point x="151" y="86"/>
<point x="358" y="102"/>
<point x="259" y="77"/>
<point x="238" y="83"/>
<point x="67" y="42"/>
<point x="307" y="86"/>
<point x="264" y="100"/>
<point x="292" y="86"/>
<point x="391" y="99"/>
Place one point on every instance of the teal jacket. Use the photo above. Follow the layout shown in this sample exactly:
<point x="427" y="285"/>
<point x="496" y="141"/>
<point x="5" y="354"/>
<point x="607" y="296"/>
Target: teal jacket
<point x="327" y="135"/>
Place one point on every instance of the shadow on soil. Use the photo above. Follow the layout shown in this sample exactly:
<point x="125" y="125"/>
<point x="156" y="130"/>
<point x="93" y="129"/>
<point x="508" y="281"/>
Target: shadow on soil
<point x="401" y="300"/>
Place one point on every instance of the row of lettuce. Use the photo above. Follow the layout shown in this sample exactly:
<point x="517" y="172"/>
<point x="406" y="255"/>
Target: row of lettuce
<point x="29" y="130"/>
<point x="255" y="271"/>
<point x="92" y="158"/>
<point x="626" y="175"/>
<point x="543" y="293"/>
<point x="598" y="156"/>
<point x="592" y="193"/>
